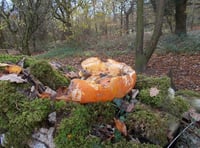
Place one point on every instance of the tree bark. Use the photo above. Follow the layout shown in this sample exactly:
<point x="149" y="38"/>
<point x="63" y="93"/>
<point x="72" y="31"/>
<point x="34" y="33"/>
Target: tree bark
<point x="139" y="61"/>
<point x="143" y="57"/>
<point x="180" y="17"/>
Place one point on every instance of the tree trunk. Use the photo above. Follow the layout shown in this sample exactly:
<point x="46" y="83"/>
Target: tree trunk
<point x="140" y="59"/>
<point x="25" y="44"/>
<point x="121" y="19"/>
<point x="192" y="17"/>
<point x="2" y="39"/>
<point x="127" y="24"/>
<point x="181" y="17"/>
<point x="157" y="29"/>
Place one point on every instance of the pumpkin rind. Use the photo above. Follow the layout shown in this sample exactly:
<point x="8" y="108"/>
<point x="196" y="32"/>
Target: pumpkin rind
<point x="108" y="80"/>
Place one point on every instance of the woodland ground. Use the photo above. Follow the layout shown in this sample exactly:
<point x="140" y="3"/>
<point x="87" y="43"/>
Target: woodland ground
<point x="172" y="58"/>
<point x="172" y="55"/>
<point x="185" y="67"/>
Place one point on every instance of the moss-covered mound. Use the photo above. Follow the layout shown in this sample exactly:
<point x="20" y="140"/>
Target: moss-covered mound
<point x="147" y="124"/>
<point x="145" y="83"/>
<point x="18" y="115"/>
<point x="43" y="71"/>
<point x="176" y="106"/>
<point x="5" y="58"/>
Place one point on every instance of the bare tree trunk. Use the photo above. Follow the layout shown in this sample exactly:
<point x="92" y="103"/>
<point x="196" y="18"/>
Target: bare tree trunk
<point x="192" y="17"/>
<point x="180" y="17"/>
<point x="142" y="57"/>
<point x="127" y="23"/>
<point x="157" y="29"/>
<point x="2" y="39"/>
<point x="121" y="19"/>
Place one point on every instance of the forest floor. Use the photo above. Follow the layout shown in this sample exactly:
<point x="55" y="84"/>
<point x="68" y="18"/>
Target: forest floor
<point x="185" y="68"/>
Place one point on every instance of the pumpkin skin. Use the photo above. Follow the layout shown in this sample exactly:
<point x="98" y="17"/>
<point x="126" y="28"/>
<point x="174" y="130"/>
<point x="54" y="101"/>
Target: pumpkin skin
<point x="117" y="80"/>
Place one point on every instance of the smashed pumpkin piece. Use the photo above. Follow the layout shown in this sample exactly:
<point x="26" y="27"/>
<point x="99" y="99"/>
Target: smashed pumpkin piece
<point x="108" y="80"/>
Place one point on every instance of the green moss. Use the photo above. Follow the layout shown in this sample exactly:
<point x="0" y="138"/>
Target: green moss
<point x="145" y="123"/>
<point x="14" y="59"/>
<point x="101" y="113"/>
<point x="144" y="82"/>
<point x="129" y="144"/>
<point x="176" y="106"/>
<point x="155" y="101"/>
<point x="188" y="93"/>
<point x="20" y="116"/>
<point x="73" y="130"/>
<point x="33" y="113"/>
<point x="43" y="71"/>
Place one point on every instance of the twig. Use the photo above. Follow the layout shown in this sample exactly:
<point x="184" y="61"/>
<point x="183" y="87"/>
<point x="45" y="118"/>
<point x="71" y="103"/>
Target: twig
<point x="180" y="133"/>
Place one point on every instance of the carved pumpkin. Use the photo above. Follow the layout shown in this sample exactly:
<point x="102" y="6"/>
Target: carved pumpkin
<point x="108" y="80"/>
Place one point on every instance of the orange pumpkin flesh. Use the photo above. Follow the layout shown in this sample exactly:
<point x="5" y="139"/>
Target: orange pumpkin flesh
<point x="117" y="80"/>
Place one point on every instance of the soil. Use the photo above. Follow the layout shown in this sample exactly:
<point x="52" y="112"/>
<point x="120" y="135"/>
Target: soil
<point x="184" y="69"/>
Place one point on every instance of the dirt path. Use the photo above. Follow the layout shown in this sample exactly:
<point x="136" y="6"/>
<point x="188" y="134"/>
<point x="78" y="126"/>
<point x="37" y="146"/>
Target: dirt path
<point x="185" y="68"/>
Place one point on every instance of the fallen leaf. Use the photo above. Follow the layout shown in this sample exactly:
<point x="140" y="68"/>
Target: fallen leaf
<point x="3" y="64"/>
<point x="12" y="78"/>
<point x="135" y="92"/>
<point x="130" y="107"/>
<point x="126" y="106"/>
<point x="50" y="91"/>
<point x="44" y="95"/>
<point x="71" y="75"/>
<point x="121" y="126"/>
<point x="13" y="69"/>
<point x="154" y="91"/>
<point x="61" y="91"/>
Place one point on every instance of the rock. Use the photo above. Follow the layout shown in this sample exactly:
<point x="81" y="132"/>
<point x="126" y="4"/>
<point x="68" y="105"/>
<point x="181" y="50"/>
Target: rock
<point x="196" y="104"/>
<point x="43" y="138"/>
<point x="36" y="144"/>
<point x="52" y="118"/>
<point x="2" y="139"/>
<point x="171" y="93"/>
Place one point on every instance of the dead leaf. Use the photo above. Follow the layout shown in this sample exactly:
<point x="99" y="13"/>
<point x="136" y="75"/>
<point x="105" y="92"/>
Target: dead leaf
<point x="3" y="64"/>
<point x="121" y="126"/>
<point x="50" y="91"/>
<point x="71" y="75"/>
<point x="44" y="95"/>
<point x="130" y="107"/>
<point x="135" y="92"/>
<point x="13" y="69"/>
<point x="12" y="78"/>
<point x="154" y="91"/>
<point x="126" y="106"/>
<point x="61" y="91"/>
